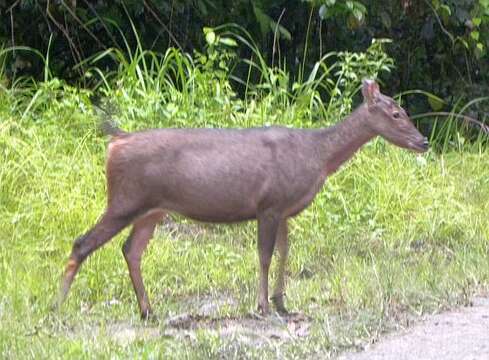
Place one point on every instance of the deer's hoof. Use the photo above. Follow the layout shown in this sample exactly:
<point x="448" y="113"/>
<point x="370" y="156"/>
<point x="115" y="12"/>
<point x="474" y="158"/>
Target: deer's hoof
<point x="147" y="315"/>
<point x="278" y="303"/>
<point x="282" y="310"/>
<point x="264" y="309"/>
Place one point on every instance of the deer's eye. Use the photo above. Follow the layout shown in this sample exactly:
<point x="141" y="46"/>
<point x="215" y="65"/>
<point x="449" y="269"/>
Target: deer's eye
<point x="396" y="115"/>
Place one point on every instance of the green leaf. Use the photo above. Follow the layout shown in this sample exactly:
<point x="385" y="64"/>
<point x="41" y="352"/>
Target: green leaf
<point x="210" y="37"/>
<point x="207" y="30"/>
<point x="202" y="7"/>
<point x="447" y="9"/>
<point x="474" y="35"/>
<point x="323" y="12"/>
<point x="476" y="21"/>
<point x="284" y="32"/>
<point x="228" y="41"/>
<point x="312" y="75"/>
<point x="361" y="7"/>
<point x="358" y="14"/>
<point x="436" y="103"/>
<point x="262" y="18"/>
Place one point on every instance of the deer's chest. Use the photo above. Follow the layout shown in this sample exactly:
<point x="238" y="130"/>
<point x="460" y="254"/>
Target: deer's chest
<point x="304" y="197"/>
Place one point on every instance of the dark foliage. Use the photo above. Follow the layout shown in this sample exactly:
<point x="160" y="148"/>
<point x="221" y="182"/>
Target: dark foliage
<point x="439" y="45"/>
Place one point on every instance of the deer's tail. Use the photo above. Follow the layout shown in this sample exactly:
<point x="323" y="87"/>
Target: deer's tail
<point x="108" y="125"/>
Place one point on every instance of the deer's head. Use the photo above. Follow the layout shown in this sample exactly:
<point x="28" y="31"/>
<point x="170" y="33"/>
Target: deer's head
<point x="387" y="119"/>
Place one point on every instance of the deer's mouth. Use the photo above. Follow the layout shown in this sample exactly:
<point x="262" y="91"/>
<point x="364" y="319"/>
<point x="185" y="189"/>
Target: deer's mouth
<point x="420" y="146"/>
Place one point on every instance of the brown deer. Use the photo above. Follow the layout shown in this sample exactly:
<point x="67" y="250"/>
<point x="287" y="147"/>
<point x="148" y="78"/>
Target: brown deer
<point x="229" y="175"/>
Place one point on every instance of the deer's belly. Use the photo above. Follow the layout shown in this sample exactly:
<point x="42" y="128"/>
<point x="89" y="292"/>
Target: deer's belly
<point x="215" y="208"/>
<point x="220" y="218"/>
<point x="217" y="213"/>
<point x="239" y="202"/>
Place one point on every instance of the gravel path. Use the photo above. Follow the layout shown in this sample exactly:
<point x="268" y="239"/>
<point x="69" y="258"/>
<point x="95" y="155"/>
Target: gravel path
<point x="462" y="334"/>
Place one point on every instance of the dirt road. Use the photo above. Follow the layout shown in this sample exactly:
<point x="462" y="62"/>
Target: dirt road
<point x="462" y="334"/>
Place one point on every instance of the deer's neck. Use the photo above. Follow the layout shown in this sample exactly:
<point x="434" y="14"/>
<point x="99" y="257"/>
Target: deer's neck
<point x="340" y="142"/>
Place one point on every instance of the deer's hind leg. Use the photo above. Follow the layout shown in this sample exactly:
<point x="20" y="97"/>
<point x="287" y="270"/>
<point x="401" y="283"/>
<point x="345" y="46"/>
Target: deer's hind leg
<point x="133" y="249"/>
<point x="282" y="245"/>
<point x="109" y="225"/>
<point x="267" y="233"/>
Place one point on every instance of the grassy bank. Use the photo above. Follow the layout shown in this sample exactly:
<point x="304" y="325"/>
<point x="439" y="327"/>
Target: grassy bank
<point x="391" y="234"/>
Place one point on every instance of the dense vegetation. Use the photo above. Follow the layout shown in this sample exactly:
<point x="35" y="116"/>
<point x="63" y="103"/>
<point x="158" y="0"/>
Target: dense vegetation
<point x="440" y="46"/>
<point x="390" y="236"/>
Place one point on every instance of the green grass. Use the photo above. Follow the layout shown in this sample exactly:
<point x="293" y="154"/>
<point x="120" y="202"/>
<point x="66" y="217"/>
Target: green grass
<point x="390" y="235"/>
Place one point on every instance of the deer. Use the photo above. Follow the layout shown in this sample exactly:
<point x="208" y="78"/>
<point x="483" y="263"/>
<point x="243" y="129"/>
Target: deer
<point x="267" y="174"/>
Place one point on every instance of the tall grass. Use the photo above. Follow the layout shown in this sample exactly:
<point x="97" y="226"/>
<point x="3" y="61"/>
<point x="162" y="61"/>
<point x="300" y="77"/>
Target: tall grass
<point x="389" y="234"/>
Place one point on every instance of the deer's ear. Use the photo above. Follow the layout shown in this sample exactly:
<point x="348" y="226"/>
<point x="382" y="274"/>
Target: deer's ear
<point x="370" y="90"/>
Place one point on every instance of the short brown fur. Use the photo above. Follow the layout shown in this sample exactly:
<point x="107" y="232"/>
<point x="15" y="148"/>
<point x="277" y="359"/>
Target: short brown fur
<point x="218" y="175"/>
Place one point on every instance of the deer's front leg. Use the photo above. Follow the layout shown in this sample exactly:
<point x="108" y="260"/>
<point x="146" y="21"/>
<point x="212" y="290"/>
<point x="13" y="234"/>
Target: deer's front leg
<point x="267" y="233"/>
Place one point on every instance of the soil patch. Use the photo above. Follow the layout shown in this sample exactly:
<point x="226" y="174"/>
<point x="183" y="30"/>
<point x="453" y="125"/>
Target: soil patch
<point x="204" y="315"/>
